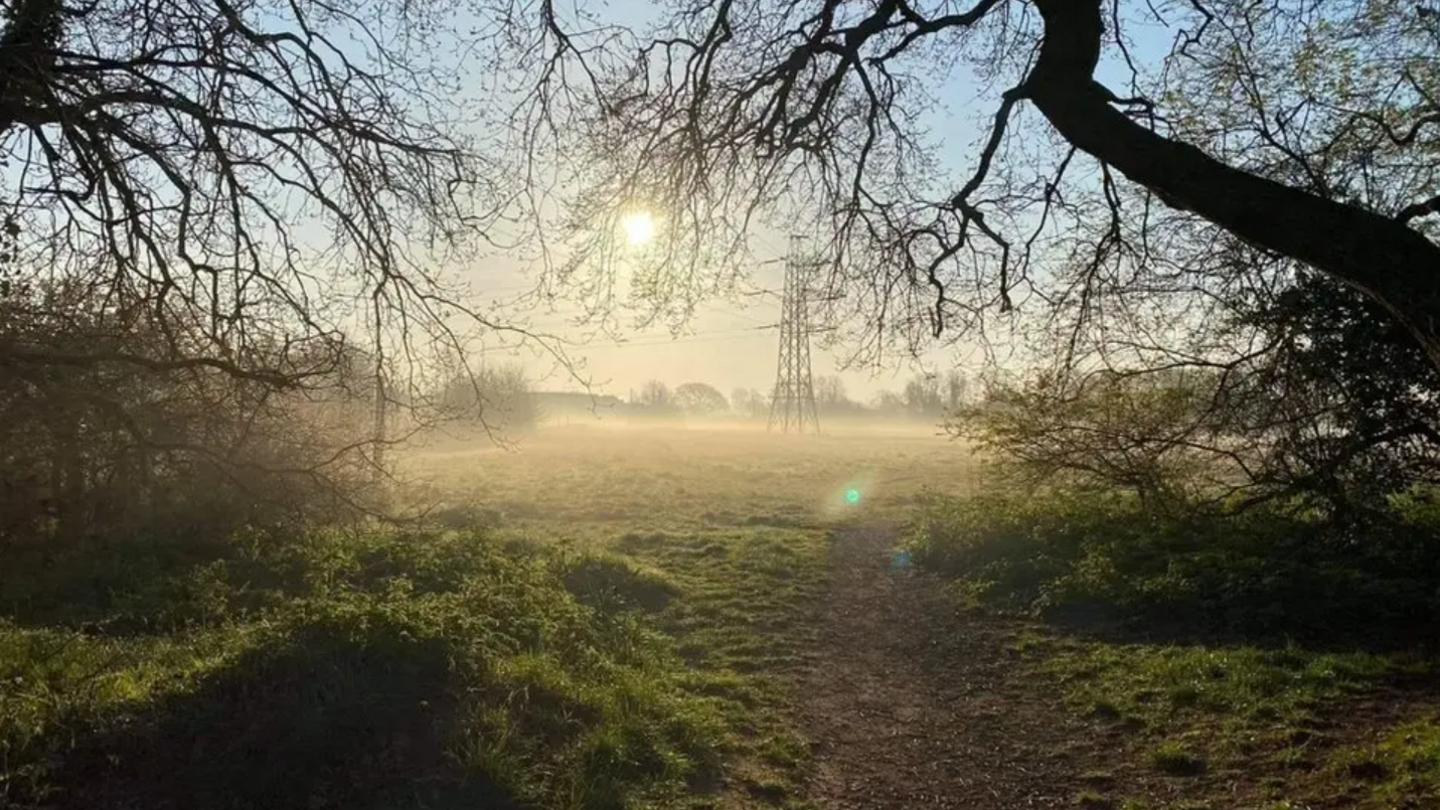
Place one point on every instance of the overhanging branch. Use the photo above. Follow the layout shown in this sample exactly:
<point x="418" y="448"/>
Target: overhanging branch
<point x="1378" y="255"/>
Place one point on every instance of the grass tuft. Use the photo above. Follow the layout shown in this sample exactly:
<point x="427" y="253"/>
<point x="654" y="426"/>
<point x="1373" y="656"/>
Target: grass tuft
<point x="1172" y="759"/>
<point x="612" y="584"/>
<point x="1403" y="765"/>
<point x="1094" y="801"/>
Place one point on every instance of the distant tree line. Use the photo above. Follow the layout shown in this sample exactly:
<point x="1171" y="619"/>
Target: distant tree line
<point x="504" y="400"/>
<point x="924" y="397"/>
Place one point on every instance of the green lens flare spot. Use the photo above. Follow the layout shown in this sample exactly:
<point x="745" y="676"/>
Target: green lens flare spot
<point x="852" y="496"/>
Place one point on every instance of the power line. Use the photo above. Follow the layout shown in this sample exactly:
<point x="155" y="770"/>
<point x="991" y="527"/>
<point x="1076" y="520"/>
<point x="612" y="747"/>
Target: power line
<point x="698" y="337"/>
<point x="713" y="336"/>
<point x="561" y="318"/>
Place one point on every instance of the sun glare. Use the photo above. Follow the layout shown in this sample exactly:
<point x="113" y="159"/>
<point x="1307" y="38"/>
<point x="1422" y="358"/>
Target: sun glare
<point x="639" y="227"/>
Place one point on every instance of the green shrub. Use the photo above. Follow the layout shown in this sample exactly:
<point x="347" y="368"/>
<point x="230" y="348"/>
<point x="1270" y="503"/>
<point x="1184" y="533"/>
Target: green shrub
<point x="1264" y="571"/>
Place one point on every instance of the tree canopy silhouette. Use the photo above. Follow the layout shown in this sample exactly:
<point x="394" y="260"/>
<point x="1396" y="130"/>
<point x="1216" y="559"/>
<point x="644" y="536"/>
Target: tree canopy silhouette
<point x="1302" y="130"/>
<point x="223" y="220"/>
<point x="237" y="167"/>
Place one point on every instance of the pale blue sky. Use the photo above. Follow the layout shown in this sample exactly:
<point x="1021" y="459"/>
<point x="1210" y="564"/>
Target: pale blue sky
<point x="724" y="346"/>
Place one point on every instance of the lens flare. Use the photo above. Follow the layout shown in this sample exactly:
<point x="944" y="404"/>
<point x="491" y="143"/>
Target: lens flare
<point x="900" y="560"/>
<point x="852" y="495"/>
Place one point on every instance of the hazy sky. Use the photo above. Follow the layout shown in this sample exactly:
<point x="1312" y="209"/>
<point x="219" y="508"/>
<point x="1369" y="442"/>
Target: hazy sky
<point x="727" y="345"/>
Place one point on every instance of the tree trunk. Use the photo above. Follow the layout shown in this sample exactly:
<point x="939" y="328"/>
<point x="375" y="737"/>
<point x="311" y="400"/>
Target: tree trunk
<point x="1380" y="256"/>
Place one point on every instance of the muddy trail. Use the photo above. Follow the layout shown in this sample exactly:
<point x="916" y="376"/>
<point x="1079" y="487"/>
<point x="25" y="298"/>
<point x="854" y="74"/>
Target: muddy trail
<point x="913" y="705"/>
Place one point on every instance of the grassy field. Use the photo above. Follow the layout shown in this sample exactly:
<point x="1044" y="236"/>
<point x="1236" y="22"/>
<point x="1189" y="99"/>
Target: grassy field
<point x="591" y="619"/>
<point x="738" y="520"/>
<point x="584" y="482"/>
<point x="612" y="618"/>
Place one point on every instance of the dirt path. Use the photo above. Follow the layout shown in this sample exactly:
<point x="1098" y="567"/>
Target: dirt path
<point x="912" y="706"/>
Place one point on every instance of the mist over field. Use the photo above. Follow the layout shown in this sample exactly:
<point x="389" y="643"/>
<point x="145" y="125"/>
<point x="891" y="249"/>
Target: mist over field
<point x="815" y="405"/>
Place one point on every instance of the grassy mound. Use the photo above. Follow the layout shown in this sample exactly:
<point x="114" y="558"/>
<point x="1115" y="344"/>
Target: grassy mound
<point x="611" y="583"/>
<point x="377" y="669"/>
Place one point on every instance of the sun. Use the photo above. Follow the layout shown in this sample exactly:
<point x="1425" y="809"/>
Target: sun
<point x="639" y="227"/>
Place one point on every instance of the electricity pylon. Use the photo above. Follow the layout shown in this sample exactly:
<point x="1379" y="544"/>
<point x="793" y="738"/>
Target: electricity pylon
<point x="792" y="406"/>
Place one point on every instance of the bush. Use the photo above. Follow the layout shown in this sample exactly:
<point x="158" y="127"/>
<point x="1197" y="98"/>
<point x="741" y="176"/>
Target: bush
<point x="1266" y="572"/>
<point x="1335" y="409"/>
<point x="117" y="428"/>
<point x="1154" y="435"/>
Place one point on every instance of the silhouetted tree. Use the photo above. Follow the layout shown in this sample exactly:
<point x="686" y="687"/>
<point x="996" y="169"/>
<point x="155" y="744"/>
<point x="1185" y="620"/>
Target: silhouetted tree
<point x="830" y="394"/>
<point x="700" y="399"/>
<point x="498" y="396"/>
<point x="955" y="390"/>
<point x="889" y="403"/>
<point x="657" y="396"/>
<point x="922" y="395"/>
<point x="749" y="403"/>
<point x="221" y="220"/>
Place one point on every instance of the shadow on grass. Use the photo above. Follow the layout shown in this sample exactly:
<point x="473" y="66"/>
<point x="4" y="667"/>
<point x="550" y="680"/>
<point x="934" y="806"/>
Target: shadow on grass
<point x="1314" y="619"/>
<point x="319" y="722"/>
<point x="118" y="587"/>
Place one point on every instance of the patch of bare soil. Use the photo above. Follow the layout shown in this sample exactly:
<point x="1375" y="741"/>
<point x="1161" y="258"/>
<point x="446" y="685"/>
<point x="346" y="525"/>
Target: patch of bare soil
<point x="911" y="705"/>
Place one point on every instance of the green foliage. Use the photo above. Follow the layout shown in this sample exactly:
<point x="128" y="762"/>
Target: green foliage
<point x="1266" y="572"/>
<point x="58" y="682"/>
<point x="362" y="669"/>
<point x="1346" y="395"/>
